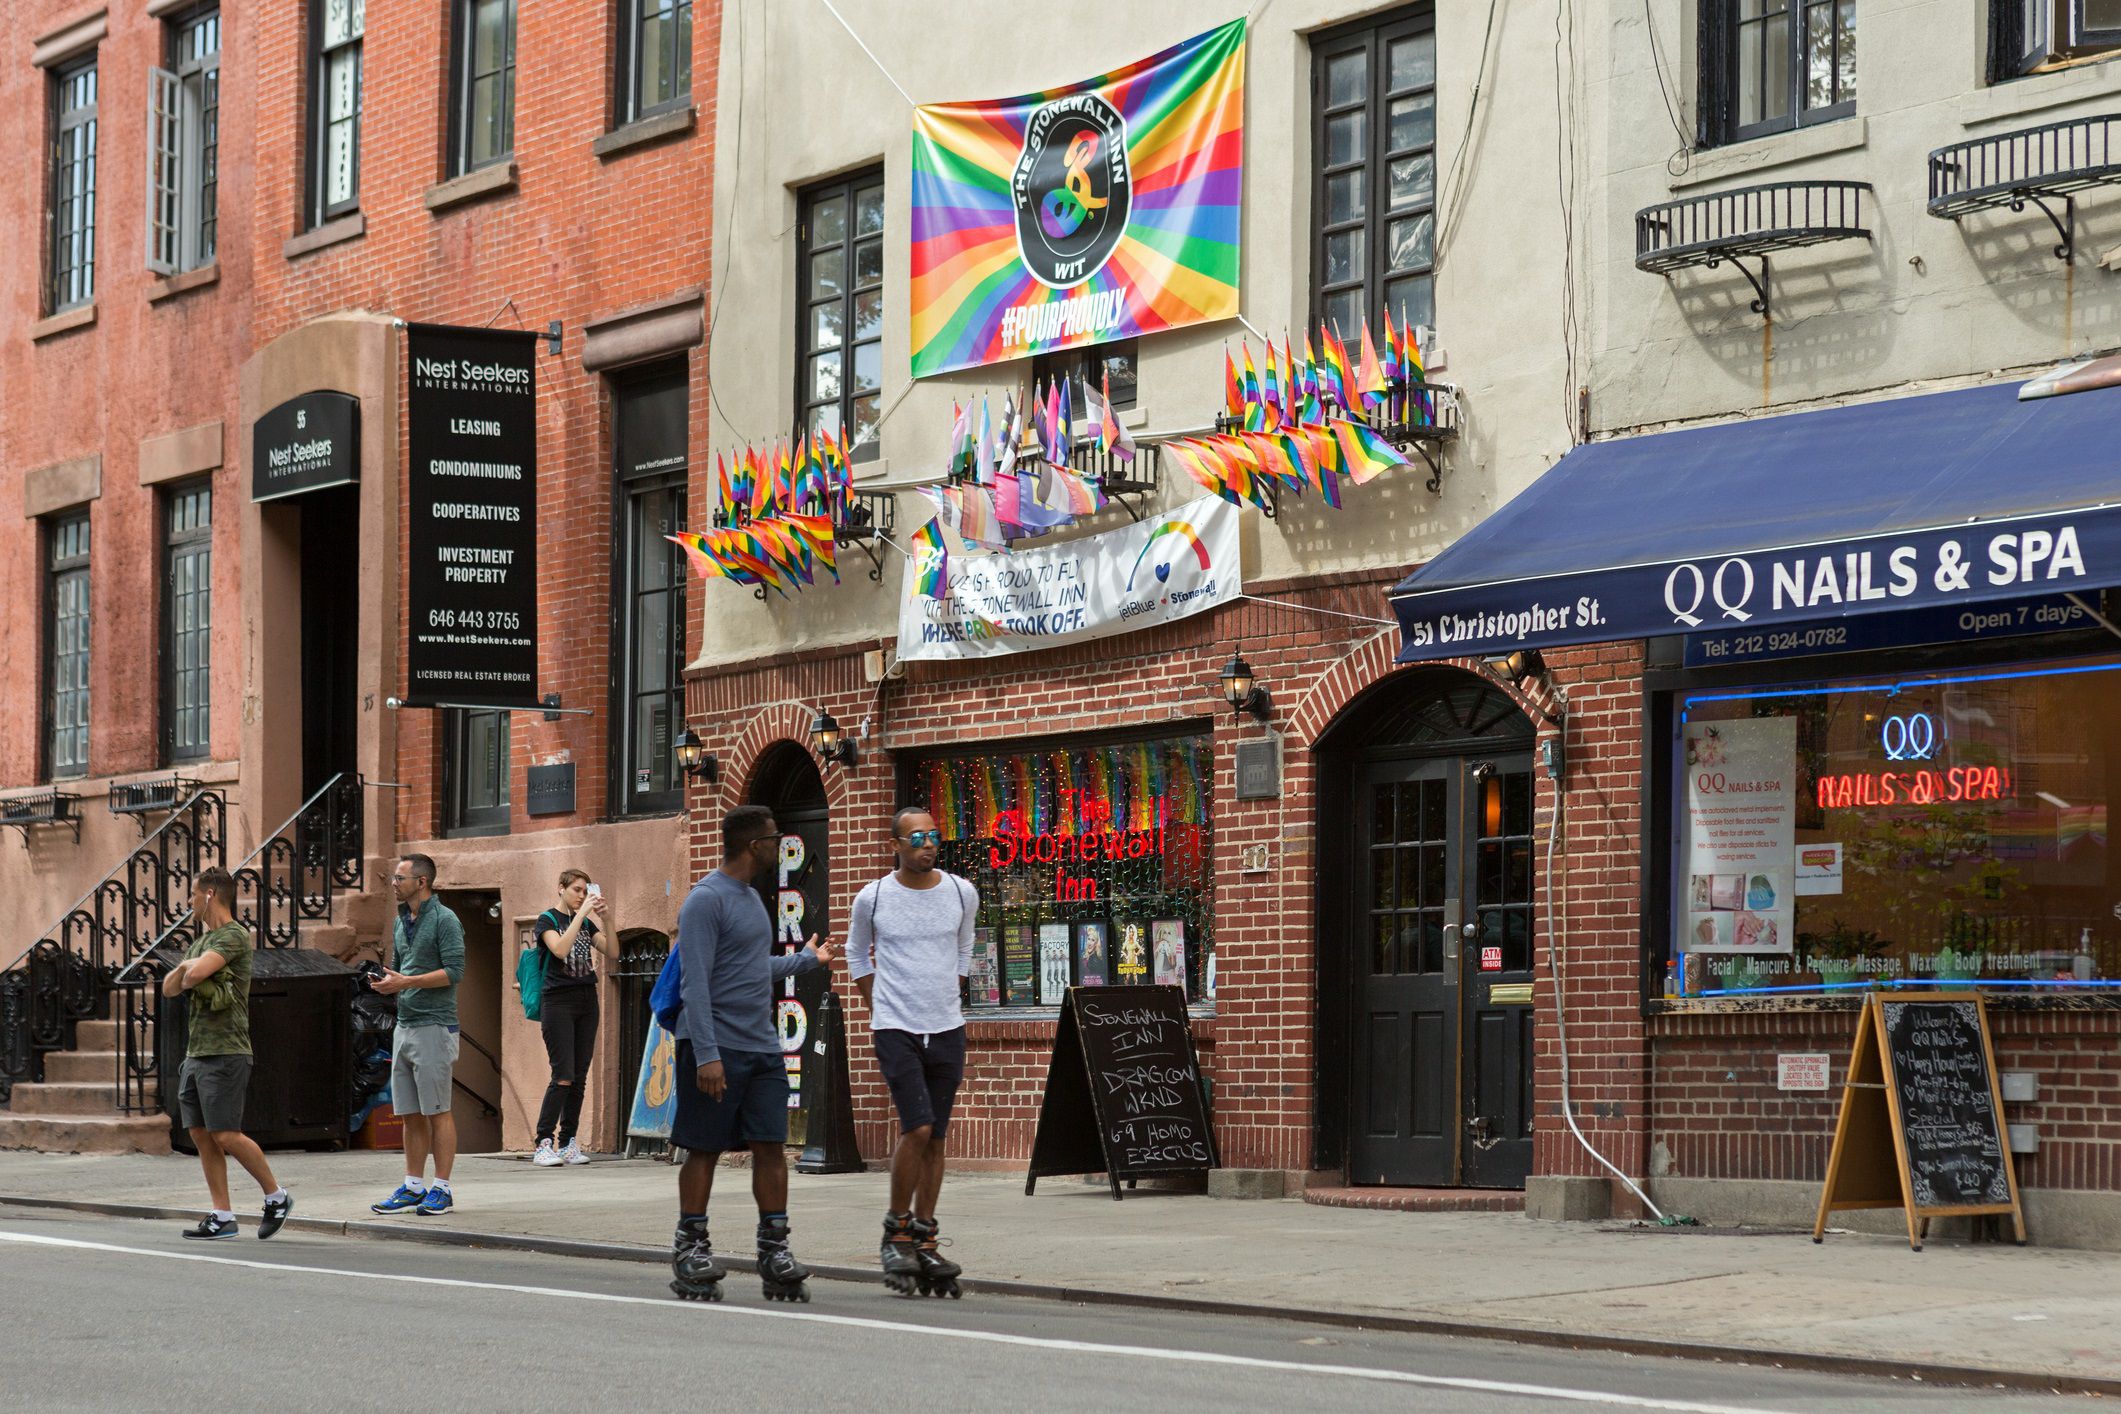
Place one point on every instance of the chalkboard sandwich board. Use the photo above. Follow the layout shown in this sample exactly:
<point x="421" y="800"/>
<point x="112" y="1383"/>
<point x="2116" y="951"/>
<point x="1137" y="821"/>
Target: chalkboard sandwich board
<point x="1123" y="1093"/>
<point x="1921" y="1124"/>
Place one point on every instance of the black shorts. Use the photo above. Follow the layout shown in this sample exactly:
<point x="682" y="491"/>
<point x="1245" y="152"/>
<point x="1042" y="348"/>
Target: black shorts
<point x="752" y="1110"/>
<point x="923" y="1073"/>
<point x="211" y="1091"/>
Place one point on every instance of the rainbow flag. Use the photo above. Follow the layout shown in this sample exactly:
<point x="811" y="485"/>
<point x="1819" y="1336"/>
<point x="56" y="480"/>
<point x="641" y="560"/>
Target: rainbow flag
<point x="931" y="560"/>
<point x="1124" y="221"/>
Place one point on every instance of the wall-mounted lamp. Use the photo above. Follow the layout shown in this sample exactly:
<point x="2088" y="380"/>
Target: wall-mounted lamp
<point x="1514" y="667"/>
<point x="694" y="759"/>
<point x="831" y="744"/>
<point x="1242" y="690"/>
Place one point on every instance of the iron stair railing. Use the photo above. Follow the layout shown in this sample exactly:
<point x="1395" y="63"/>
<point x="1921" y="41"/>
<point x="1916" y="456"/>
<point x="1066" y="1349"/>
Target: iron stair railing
<point x="64" y="978"/>
<point x="292" y="878"/>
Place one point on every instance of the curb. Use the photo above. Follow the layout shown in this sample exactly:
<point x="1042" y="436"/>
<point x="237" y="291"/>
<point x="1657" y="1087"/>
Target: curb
<point x="1968" y="1376"/>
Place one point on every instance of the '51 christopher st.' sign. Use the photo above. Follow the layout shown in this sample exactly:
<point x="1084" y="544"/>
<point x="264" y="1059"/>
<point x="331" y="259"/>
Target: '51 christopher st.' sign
<point x="306" y="444"/>
<point x="471" y="414"/>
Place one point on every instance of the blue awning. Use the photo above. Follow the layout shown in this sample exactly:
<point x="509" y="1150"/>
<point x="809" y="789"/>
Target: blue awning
<point x="1945" y="499"/>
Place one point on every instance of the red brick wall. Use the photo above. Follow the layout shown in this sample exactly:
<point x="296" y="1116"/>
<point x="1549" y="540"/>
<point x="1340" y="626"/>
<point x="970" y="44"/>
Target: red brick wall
<point x="140" y="370"/>
<point x="578" y="238"/>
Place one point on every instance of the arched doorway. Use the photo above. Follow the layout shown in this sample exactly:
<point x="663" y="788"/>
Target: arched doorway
<point x="798" y="895"/>
<point x="1425" y="934"/>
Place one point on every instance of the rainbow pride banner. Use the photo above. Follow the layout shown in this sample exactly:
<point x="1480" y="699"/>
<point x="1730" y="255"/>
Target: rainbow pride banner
<point x="1167" y="568"/>
<point x="1102" y="210"/>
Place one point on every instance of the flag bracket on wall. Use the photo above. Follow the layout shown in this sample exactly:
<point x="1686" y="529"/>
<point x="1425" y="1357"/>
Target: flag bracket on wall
<point x="866" y="523"/>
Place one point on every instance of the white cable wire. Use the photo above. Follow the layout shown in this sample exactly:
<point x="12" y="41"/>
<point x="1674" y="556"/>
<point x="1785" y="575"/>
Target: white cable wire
<point x="871" y="53"/>
<point x="1561" y="1024"/>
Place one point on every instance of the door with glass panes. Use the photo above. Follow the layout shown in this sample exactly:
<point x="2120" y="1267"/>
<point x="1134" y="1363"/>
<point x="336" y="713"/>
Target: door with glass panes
<point x="1442" y="1013"/>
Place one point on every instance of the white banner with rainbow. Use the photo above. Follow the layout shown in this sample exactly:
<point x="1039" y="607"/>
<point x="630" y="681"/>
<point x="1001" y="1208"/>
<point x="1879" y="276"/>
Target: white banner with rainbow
<point x="1168" y="567"/>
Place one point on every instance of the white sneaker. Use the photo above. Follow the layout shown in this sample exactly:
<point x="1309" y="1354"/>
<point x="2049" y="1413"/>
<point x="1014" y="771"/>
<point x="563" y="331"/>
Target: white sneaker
<point x="546" y="1157"/>
<point x="572" y="1154"/>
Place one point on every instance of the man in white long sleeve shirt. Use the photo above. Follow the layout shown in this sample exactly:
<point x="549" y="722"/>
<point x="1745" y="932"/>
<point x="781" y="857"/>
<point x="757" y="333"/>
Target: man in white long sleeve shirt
<point x="909" y="945"/>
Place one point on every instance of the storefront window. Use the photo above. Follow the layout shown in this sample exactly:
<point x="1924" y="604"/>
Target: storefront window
<point x="1938" y="830"/>
<point x="1093" y="862"/>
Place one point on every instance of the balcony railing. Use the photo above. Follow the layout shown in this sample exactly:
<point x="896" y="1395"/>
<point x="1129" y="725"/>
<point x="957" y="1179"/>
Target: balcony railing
<point x="1748" y="223"/>
<point x="2040" y="166"/>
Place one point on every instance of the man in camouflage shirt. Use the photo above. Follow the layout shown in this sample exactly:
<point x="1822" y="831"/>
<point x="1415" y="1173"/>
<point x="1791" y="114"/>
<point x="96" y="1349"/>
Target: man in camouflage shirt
<point x="215" y="977"/>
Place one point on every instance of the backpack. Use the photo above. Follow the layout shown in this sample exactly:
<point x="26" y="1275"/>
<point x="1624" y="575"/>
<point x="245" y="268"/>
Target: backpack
<point x="667" y="998"/>
<point x="530" y="976"/>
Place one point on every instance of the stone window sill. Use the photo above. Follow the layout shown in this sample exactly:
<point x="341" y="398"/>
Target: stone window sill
<point x="60" y="323"/>
<point x="2014" y="98"/>
<point x="331" y="233"/>
<point x="174" y="285"/>
<point x="645" y="131"/>
<point x="484" y="182"/>
<point x="1763" y="154"/>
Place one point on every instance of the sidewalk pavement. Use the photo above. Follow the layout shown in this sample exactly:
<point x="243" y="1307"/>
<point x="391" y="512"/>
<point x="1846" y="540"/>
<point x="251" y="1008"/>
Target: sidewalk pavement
<point x="2023" y="1311"/>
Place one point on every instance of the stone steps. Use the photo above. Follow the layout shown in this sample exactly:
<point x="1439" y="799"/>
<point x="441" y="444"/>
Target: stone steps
<point x="81" y="1067"/>
<point x="79" y="1097"/>
<point x="1420" y="1200"/>
<point x="105" y="1133"/>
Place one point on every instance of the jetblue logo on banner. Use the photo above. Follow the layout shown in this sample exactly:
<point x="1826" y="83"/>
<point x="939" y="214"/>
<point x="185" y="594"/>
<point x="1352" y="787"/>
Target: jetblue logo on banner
<point x="2055" y="554"/>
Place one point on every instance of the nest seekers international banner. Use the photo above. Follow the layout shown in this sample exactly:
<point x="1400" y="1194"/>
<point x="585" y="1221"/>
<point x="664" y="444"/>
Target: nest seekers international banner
<point x="1167" y="568"/>
<point x="1102" y="210"/>
<point x="471" y="414"/>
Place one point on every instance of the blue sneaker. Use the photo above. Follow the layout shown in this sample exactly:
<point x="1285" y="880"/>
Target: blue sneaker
<point x="401" y="1200"/>
<point x="435" y="1201"/>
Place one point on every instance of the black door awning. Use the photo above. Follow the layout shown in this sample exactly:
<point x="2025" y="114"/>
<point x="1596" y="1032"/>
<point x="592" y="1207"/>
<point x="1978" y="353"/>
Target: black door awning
<point x="1951" y="498"/>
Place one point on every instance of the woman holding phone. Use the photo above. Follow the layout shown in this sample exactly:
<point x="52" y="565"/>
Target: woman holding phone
<point x="571" y="935"/>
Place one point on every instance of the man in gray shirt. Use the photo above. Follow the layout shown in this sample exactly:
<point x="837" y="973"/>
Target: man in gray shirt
<point x="732" y="1088"/>
<point x="427" y="962"/>
<point x="909" y="946"/>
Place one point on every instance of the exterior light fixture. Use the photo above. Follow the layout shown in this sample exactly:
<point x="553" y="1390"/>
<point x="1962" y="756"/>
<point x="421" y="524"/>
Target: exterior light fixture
<point x="831" y="744"/>
<point x="695" y="760"/>
<point x="1242" y="691"/>
<point x="1515" y="667"/>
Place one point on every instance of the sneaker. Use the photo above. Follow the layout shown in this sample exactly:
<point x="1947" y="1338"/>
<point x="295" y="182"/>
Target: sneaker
<point x="211" y="1228"/>
<point x="436" y="1201"/>
<point x="276" y="1211"/>
<point x="400" y="1201"/>
<point x="546" y="1157"/>
<point x="573" y="1154"/>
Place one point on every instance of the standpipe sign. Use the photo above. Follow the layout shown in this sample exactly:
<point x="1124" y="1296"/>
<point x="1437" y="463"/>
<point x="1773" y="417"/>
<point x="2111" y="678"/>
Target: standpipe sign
<point x="472" y="582"/>
<point x="2061" y="552"/>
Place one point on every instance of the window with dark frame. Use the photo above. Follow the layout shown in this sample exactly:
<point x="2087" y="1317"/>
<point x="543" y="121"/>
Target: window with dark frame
<point x="648" y="619"/>
<point x="336" y="28"/>
<point x="183" y="151"/>
<point x="1118" y="362"/>
<point x="484" y="74"/>
<point x="655" y="61"/>
<point x="840" y="312"/>
<point x="2025" y="35"/>
<point x="1770" y="66"/>
<point x="187" y="622"/>
<point x="476" y="767"/>
<point x="1373" y="195"/>
<point x="66" y="634"/>
<point x="71" y="275"/>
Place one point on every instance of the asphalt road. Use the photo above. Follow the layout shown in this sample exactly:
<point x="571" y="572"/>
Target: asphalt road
<point x="102" y="1313"/>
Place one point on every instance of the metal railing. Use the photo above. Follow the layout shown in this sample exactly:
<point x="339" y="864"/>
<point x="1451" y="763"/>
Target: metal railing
<point x="2040" y="166"/>
<point x="64" y="978"/>
<point x="292" y="878"/>
<point x="1705" y="230"/>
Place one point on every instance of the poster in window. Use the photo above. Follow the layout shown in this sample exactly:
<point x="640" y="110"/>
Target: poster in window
<point x="1052" y="963"/>
<point x="1168" y="944"/>
<point x="1019" y="958"/>
<point x="986" y="978"/>
<point x="1741" y="791"/>
<point x="1093" y="954"/>
<point x="1133" y="954"/>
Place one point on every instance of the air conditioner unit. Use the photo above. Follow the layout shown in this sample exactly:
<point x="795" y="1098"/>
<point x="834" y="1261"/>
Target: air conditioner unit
<point x="2066" y="29"/>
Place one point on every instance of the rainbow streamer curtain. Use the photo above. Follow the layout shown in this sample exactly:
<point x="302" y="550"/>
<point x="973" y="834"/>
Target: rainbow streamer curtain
<point x="1145" y="785"/>
<point x="1101" y="210"/>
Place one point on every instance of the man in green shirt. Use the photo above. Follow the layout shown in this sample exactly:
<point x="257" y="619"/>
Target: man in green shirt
<point x="426" y="962"/>
<point x="215" y="975"/>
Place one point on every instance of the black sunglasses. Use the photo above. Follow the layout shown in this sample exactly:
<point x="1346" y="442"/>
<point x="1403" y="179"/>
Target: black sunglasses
<point x="920" y="839"/>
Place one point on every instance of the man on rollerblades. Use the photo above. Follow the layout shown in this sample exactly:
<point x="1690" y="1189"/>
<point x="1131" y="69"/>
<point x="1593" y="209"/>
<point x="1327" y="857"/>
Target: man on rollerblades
<point x="732" y="1089"/>
<point x="909" y="945"/>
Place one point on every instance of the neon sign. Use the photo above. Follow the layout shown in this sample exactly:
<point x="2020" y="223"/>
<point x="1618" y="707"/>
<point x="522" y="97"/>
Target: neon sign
<point x="1909" y="738"/>
<point x="1930" y="786"/>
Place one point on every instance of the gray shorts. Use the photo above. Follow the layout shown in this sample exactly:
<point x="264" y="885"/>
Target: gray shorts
<point x="422" y="1059"/>
<point x="211" y="1091"/>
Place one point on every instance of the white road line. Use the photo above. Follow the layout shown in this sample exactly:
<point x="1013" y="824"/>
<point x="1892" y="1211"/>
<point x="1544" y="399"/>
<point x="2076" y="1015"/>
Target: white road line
<point x="1081" y="1347"/>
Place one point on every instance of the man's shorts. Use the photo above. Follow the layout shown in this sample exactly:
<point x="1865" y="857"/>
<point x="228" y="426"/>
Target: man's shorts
<point x="753" y="1108"/>
<point x="211" y="1092"/>
<point x="923" y="1073"/>
<point x="422" y="1061"/>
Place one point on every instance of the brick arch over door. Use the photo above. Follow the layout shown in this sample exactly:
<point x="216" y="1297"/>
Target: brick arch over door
<point x="775" y="726"/>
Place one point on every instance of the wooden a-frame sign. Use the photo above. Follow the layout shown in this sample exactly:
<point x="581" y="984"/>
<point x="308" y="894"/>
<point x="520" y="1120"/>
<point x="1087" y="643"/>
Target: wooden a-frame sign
<point x="1884" y="1156"/>
<point x="1123" y="1093"/>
